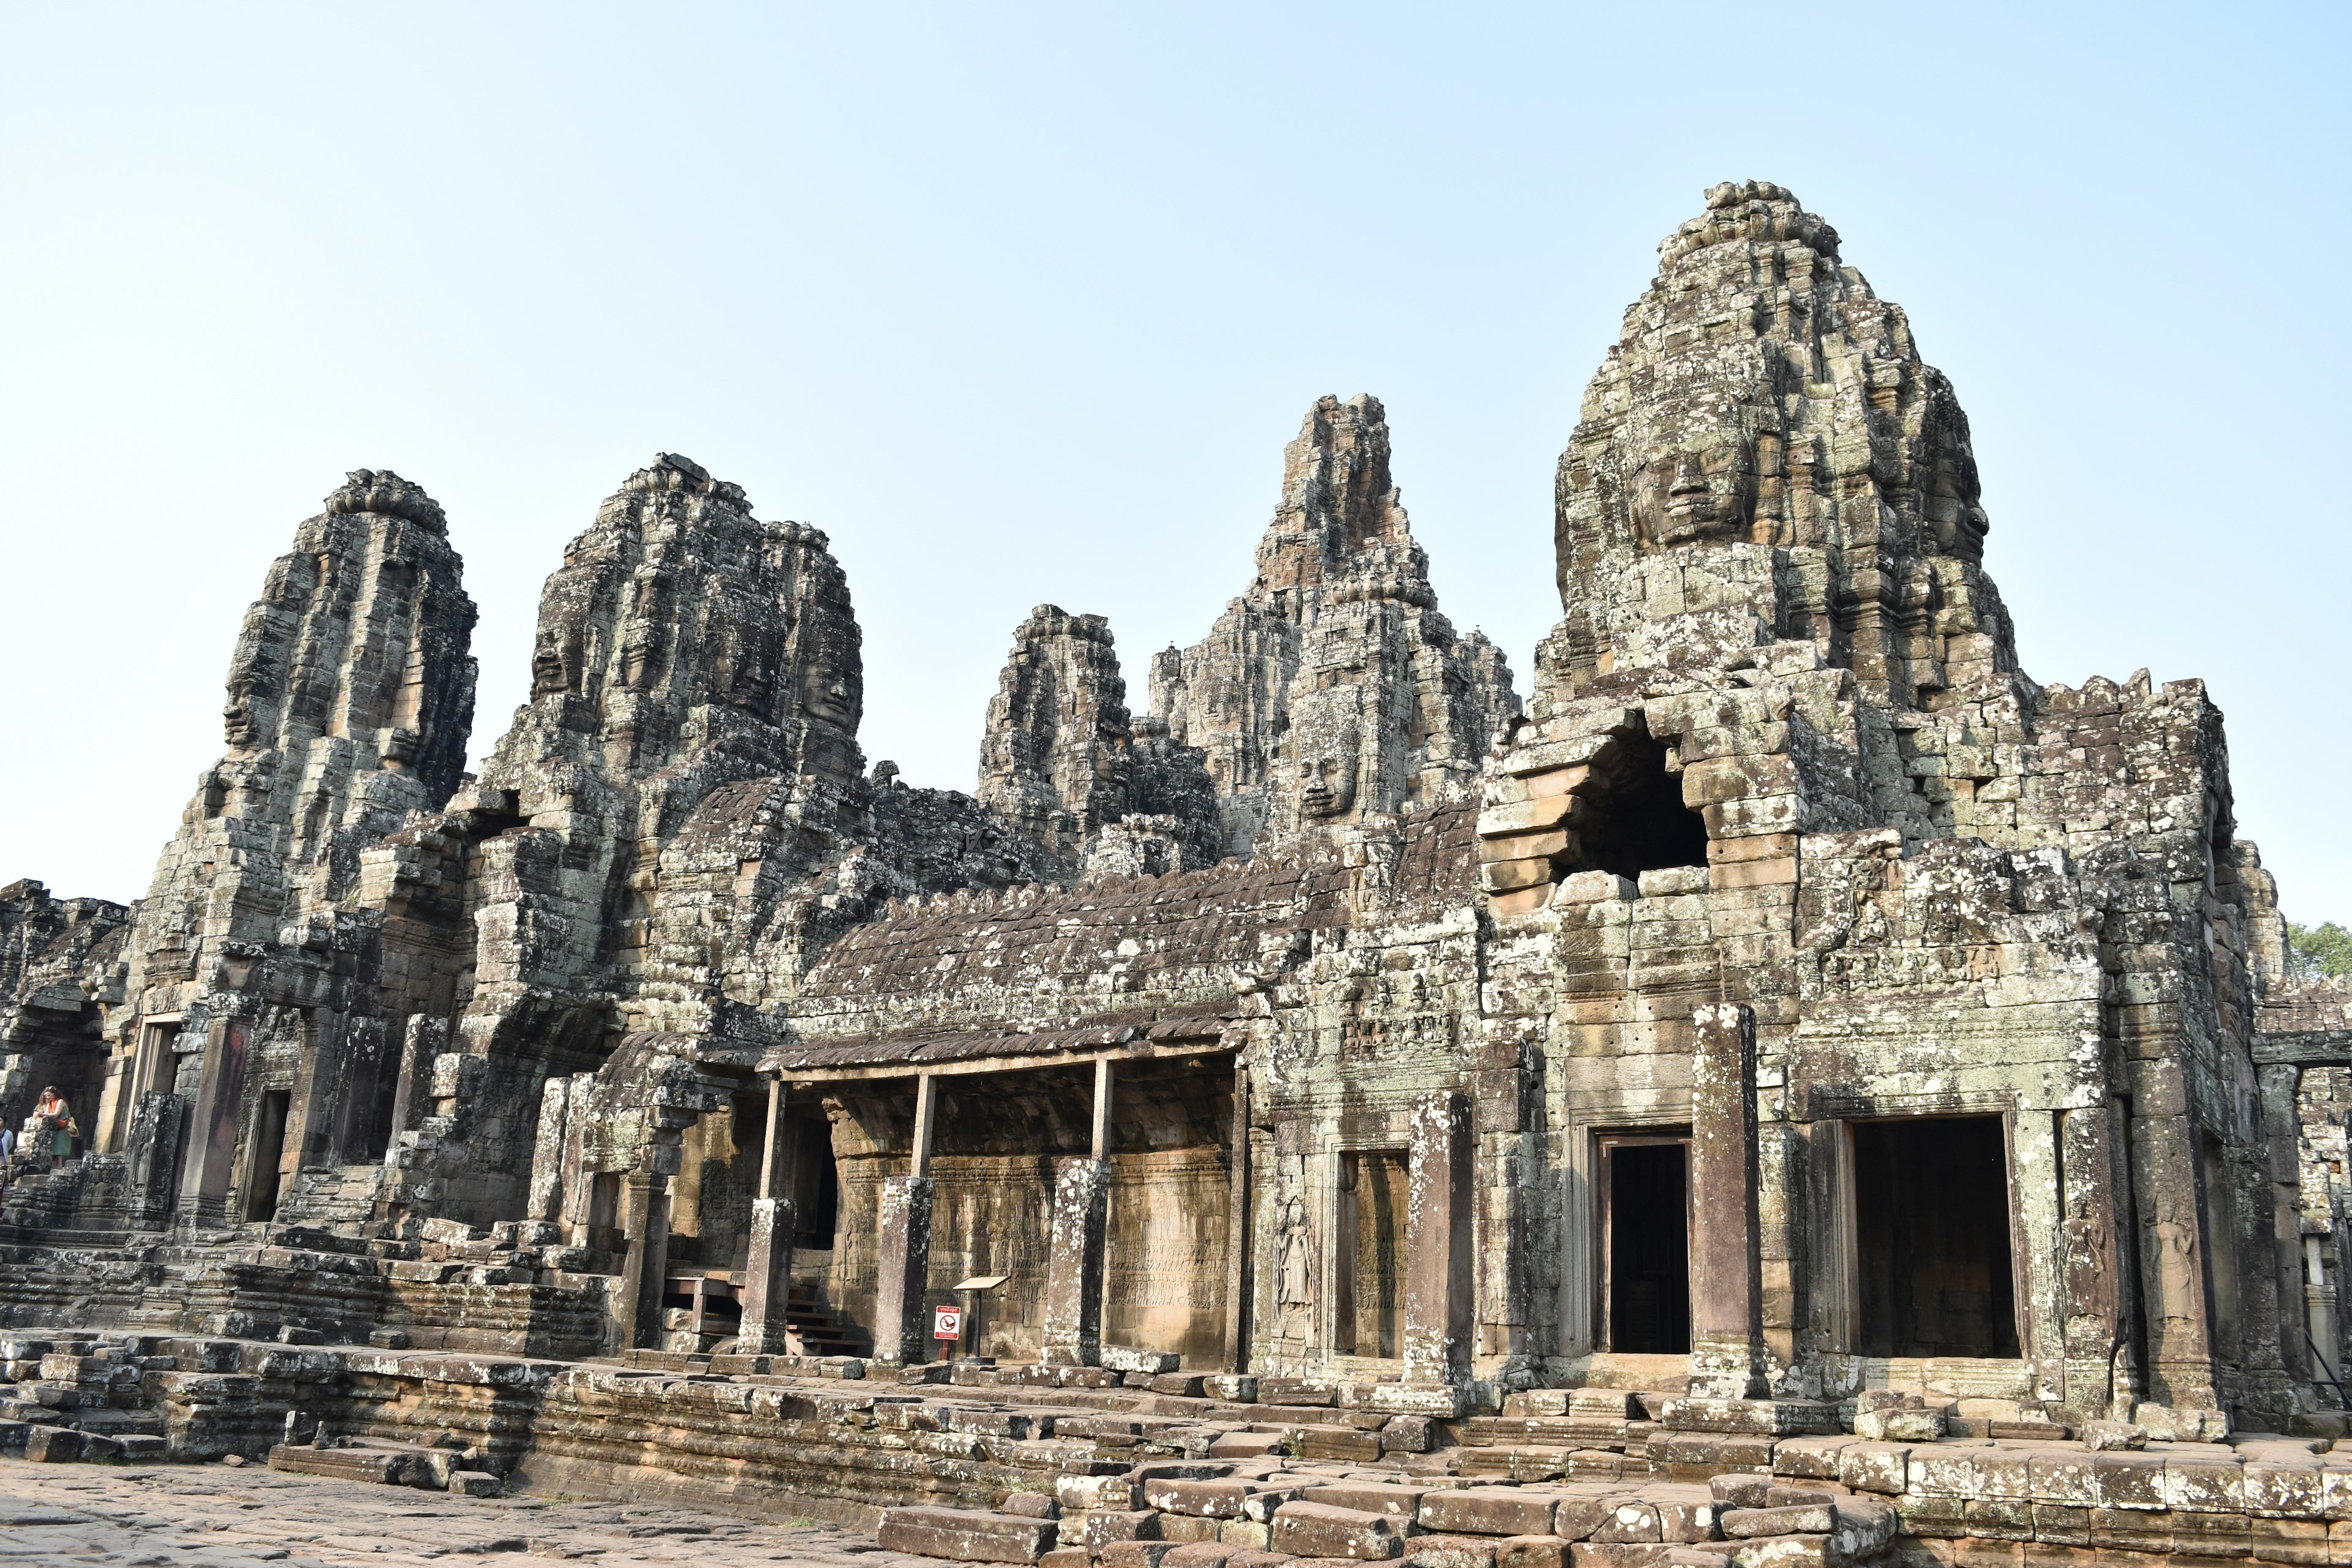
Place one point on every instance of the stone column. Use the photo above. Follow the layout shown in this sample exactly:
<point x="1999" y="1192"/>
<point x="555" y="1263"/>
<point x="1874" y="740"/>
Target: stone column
<point x="421" y="1044"/>
<point x="1725" y="1268"/>
<point x="2174" y="1285"/>
<point x="1437" y="1299"/>
<point x="1239" y="1284"/>
<point x="1074" y="1266"/>
<point x="768" y="1270"/>
<point x="212" y="1130"/>
<point x="901" y="1327"/>
<point x="644" y="1277"/>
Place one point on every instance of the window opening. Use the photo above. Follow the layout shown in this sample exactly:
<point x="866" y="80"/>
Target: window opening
<point x="1637" y="820"/>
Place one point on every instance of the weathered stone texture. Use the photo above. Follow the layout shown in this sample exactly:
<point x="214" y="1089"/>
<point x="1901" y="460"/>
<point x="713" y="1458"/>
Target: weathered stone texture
<point x="1813" y="1025"/>
<point x="1333" y="688"/>
<point x="1062" y="760"/>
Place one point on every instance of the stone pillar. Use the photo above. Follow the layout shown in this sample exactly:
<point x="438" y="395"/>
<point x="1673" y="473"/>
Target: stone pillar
<point x="1725" y="1268"/>
<point x="212" y="1130"/>
<point x="2165" y="1159"/>
<point x="2319" y="1310"/>
<point x="2096" y="1263"/>
<point x="1437" y="1296"/>
<point x="1239" y="1283"/>
<point x="768" y="1270"/>
<point x="1074" y="1266"/>
<point x="420" y="1043"/>
<point x="644" y="1277"/>
<point x="901" y="1326"/>
<point x="152" y="1156"/>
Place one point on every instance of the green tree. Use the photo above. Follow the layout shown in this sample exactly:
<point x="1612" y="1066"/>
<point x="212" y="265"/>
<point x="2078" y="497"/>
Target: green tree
<point x="2320" y="950"/>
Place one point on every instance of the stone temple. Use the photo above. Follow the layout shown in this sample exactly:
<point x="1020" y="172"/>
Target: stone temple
<point x="1788" y="1089"/>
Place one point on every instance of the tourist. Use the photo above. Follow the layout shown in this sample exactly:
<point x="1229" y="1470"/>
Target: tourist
<point x="53" y="1125"/>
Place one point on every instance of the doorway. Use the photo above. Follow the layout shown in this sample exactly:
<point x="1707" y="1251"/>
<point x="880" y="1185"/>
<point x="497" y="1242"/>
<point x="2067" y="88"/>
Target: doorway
<point x="1932" y="1237"/>
<point x="1646" y="1245"/>
<point x="268" y="1149"/>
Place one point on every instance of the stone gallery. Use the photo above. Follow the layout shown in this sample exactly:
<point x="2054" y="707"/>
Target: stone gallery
<point x="1789" y="1087"/>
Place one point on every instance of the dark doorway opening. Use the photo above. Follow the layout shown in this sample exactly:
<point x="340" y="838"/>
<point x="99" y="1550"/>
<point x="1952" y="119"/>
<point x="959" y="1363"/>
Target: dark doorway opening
<point x="1372" y="1196"/>
<point x="1932" y="1237"/>
<point x="813" y="1185"/>
<point x="1646" y="1244"/>
<point x="603" y="1231"/>
<point x="1637" y="820"/>
<point x="268" y="1149"/>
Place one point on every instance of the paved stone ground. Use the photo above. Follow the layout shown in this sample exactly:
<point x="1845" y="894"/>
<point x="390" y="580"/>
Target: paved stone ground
<point x="214" y="1515"/>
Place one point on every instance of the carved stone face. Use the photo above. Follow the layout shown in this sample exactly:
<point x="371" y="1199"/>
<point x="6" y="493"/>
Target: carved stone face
<point x="826" y="694"/>
<point x="739" y="676"/>
<point x="1695" y="492"/>
<point x="1327" y="777"/>
<point x="237" y="720"/>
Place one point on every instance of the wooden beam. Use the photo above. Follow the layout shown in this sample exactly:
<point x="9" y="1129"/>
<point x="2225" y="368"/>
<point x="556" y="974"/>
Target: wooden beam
<point x="926" y="1108"/>
<point x="1102" y="1107"/>
<point x="808" y="1078"/>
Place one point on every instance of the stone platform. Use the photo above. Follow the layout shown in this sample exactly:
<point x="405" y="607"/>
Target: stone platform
<point x="1088" y="1468"/>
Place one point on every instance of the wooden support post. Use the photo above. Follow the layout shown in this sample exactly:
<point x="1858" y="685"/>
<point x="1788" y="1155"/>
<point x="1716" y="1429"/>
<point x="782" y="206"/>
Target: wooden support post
<point x="1102" y="1109"/>
<point x="926" y="1109"/>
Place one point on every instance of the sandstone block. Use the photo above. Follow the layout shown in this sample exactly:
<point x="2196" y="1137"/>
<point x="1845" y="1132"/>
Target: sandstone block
<point x="1451" y="1551"/>
<point x="1339" y="1443"/>
<point x="1314" y="1530"/>
<point x="1408" y="1435"/>
<point x="1200" y="1554"/>
<point x="1106" y="1525"/>
<point x="1619" y="1555"/>
<point x="54" y="1445"/>
<point x="1369" y="1496"/>
<point x="965" y="1535"/>
<point x="1205" y="1500"/>
<point x="1133" y="1553"/>
<point x="1512" y="876"/>
<point x="1785" y="1552"/>
<point x="1531" y="1552"/>
<point x="1489" y="1510"/>
<point x="1119" y="1493"/>
<point x="1874" y="1466"/>
<point x="1030" y="1505"/>
<point x="1807" y="1519"/>
<point x="1527" y="815"/>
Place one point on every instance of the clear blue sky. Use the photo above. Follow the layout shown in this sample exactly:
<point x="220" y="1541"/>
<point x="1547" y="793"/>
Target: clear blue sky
<point x="1022" y="308"/>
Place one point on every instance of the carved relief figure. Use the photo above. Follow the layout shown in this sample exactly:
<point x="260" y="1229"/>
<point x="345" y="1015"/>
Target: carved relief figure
<point x="1293" y="1276"/>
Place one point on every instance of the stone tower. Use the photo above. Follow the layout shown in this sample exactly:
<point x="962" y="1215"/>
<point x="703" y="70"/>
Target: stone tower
<point x="1333" y="687"/>
<point x="351" y="696"/>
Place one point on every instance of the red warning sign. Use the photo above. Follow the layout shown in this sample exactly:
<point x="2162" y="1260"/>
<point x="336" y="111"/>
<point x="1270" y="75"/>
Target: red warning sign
<point x="947" y="1322"/>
